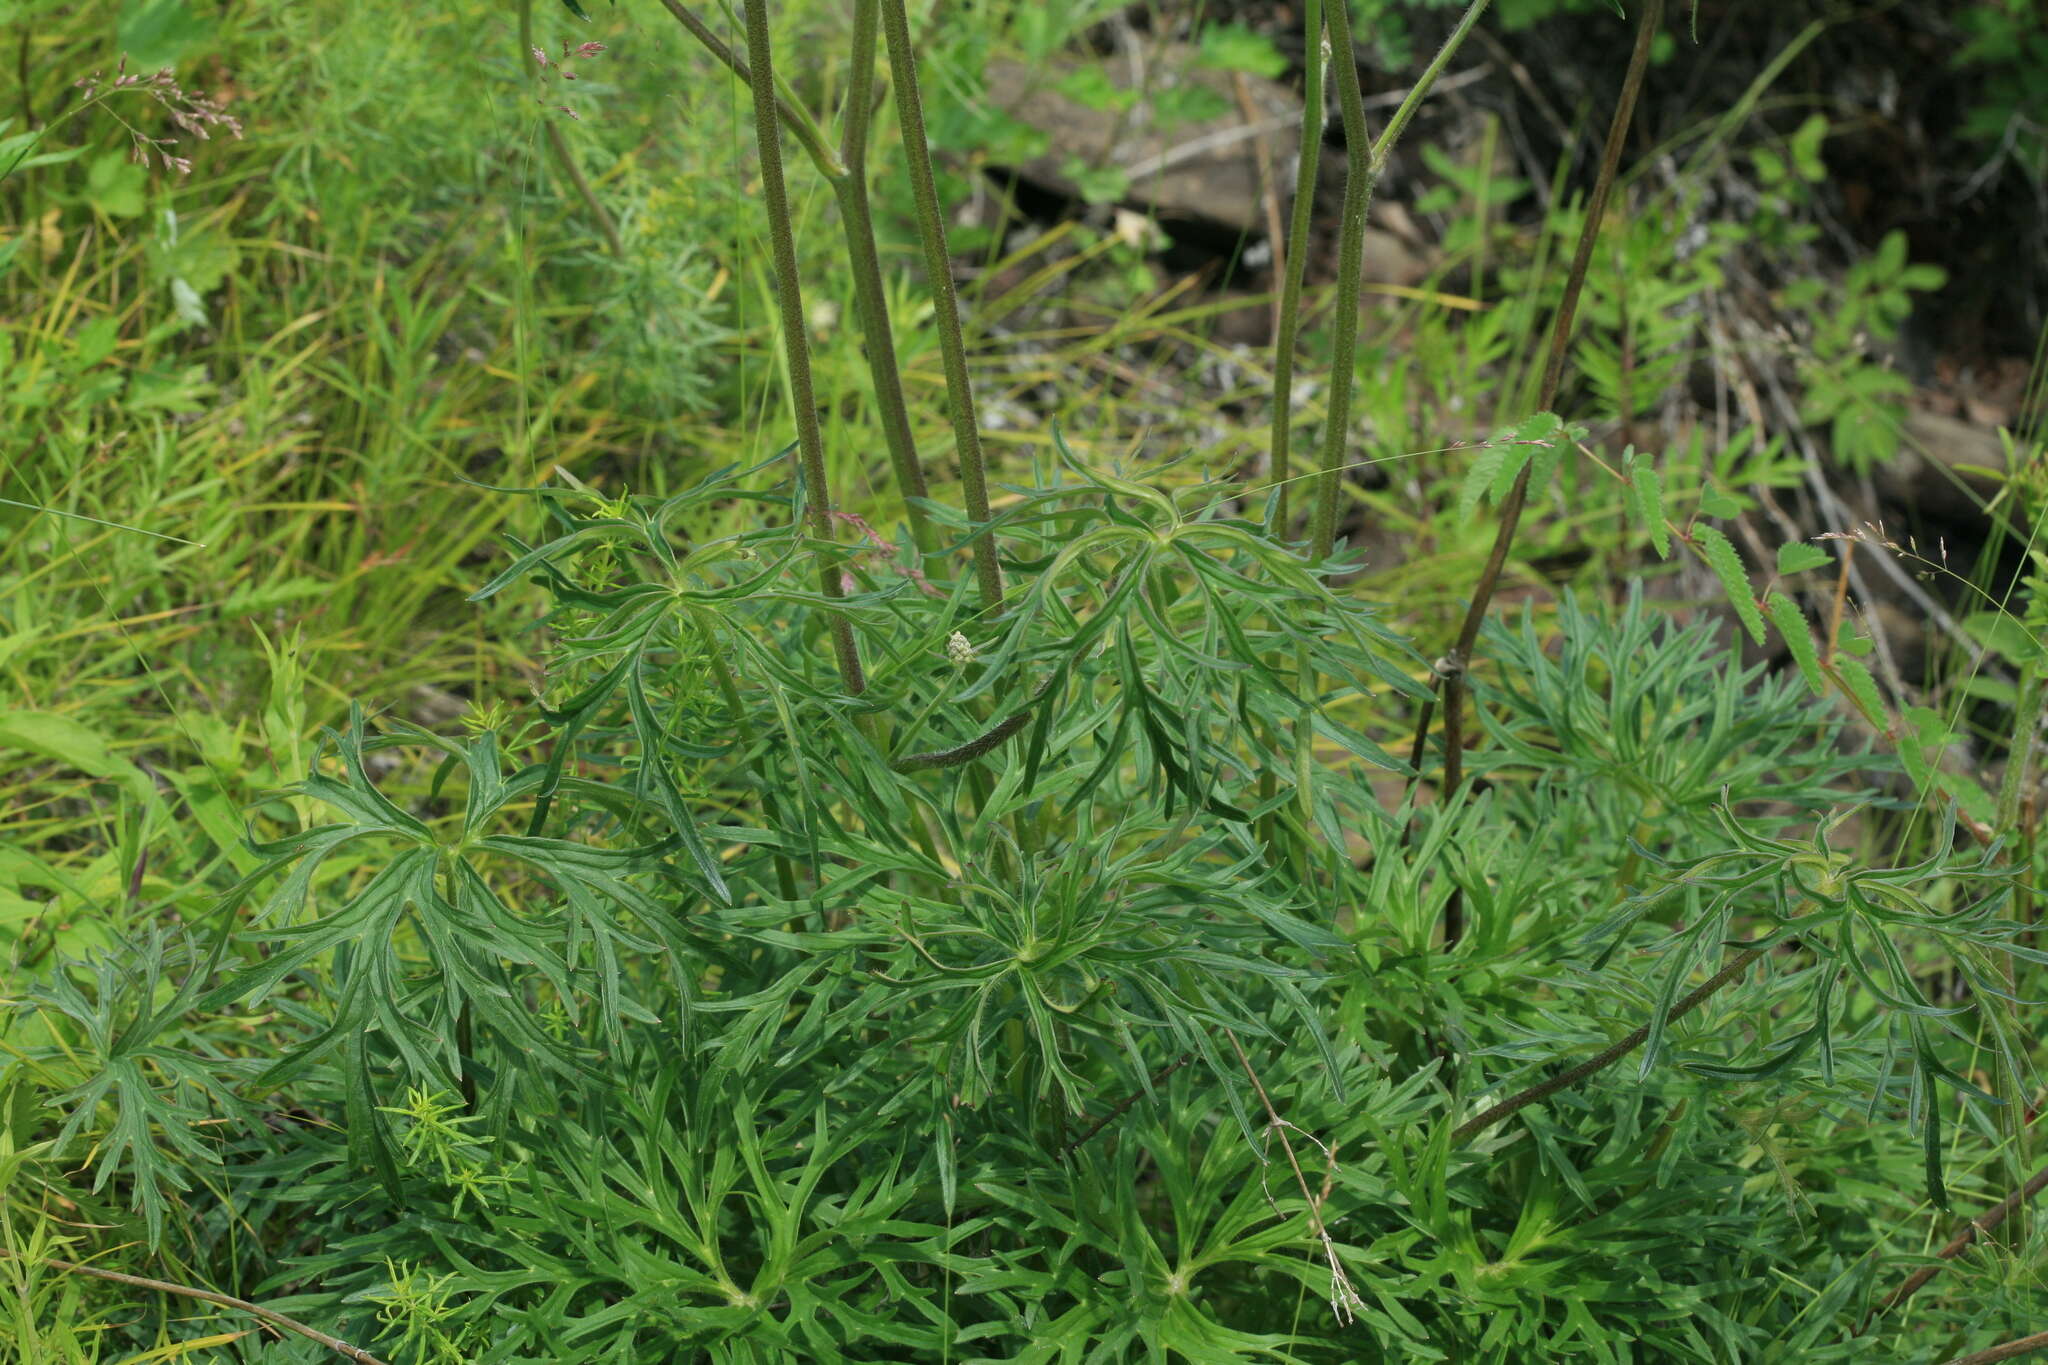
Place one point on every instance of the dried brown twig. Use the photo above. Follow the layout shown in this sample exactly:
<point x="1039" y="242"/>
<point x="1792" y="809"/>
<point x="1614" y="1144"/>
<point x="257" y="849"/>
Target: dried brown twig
<point x="1344" y="1300"/>
<point x="1981" y="1225"/>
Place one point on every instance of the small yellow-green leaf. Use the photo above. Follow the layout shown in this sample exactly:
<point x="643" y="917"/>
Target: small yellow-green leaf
<point x="1798" y="557"/>
<point x="1720" y="503"/>
<point x="1486" y="466"/>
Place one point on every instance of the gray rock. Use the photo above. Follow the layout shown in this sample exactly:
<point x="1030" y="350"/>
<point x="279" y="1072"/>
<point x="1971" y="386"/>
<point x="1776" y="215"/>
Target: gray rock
<point x="1203" y="169"/>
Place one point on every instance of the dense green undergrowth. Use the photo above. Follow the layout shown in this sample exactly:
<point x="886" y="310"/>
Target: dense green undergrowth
<point x="505" y="859"/>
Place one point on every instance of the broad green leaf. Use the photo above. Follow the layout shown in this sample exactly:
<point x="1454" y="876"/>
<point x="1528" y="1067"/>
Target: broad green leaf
<point x="1233" y="47"/>
<point x="160" y="33"/>
<point x="64" y="740"/>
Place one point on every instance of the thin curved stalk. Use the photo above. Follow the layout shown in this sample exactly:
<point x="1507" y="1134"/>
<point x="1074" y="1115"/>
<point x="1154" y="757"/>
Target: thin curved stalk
<point x="1451" y="668"/>
<point x="1600" y="1061"/>
<point x="794" y="116"/>
<point x="268" y="1316"/>
<point x="870" y="300"/>
<point x="1982" y="1225"/>
<point x="1300" y="219"/>
<point x="796" y="342"/>
<point x="2005" y="1350"/>
<point x="931" y="231"/>
<point x="1365" y="162"/>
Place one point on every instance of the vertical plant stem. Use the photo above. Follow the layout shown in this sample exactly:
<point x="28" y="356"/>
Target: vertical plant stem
<point x="2028" y="712"/>
<point x="558" y="146"/>
<point x="870" y="300"/>
<point x="847" y="175"/>
<point x="931" y="231"/>
<point x="1365" y="163"/>
<point x="1451" y="669"/>
<point x="796" y="341"/>
<point x="1359" y="181"/>
<point x="1300" y="219"/>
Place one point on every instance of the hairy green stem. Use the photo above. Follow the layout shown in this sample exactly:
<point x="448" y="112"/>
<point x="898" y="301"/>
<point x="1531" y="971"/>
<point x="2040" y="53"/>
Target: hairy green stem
<point x="795" y="340"/>
<point x="846" y="173"/>
<point x="931" y="231"/>
<point x="1600" y="1061"/>
<point x="1451" y="668"/>
<point x="1359" y="182"/>
<point x="981" y="744"/>
<point x="870" y="300"/>
<point x="1300" y="219"/>
<point x="1365" y="162"/>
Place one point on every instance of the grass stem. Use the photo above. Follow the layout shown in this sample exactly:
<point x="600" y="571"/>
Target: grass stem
<point x="1293" y="267"/>
<point x="558" y="146"/>
<point x="1365" y="162"/>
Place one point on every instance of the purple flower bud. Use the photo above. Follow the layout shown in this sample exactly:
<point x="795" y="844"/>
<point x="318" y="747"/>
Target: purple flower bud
<point x="541" y="57"/>
<point x="589" y="49"/>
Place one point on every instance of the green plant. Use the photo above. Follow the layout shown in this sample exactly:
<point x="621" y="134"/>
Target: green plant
<point x="1062" y="980"/>
<point x="1860" y="400"/>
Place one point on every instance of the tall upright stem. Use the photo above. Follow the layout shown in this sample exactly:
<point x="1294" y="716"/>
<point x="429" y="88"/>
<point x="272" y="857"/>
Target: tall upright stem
<point x="846" y="173"/>
<point x="796" y="342"/>
<point x="1364" y="164"/>
<point x="931" y="230"/>
<point x="1360" y="179"/>
<point x="1299" y="221"/>
<point x="870" y="301"/>
<point x="1451" y="668"/>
